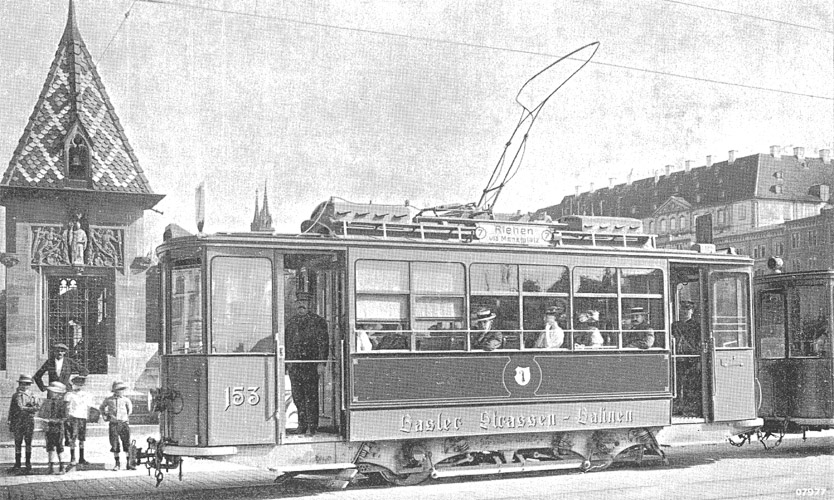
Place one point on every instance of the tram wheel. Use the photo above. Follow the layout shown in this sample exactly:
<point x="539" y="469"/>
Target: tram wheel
<point x="404" y="479"/>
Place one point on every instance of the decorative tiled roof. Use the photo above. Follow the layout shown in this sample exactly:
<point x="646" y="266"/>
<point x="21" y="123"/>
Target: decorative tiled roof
<point x="751" y="177"/>
<point x="73" y="97"/>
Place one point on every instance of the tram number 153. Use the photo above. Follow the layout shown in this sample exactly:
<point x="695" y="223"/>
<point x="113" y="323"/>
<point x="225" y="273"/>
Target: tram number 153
<point x="236" y="396"/>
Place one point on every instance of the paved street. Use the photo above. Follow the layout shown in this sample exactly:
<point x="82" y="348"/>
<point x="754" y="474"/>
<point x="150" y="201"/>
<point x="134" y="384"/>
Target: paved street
<point x="705" y="471"/>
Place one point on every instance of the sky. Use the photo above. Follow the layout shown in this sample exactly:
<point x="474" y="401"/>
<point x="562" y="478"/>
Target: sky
<point x="388" y="101"/>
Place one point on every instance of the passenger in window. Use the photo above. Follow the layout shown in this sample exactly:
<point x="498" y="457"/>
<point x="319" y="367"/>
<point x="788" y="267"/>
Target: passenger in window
<point x="686" y="330"/>
<point x="642" y="336"/>
<point x="486" y="338"/>
<point x="394" y="340"/>
<point x="590" y="335"/>
<point x="363" y="340"/>
<point x="553" y="336"/>
<point x="821" y="345"/>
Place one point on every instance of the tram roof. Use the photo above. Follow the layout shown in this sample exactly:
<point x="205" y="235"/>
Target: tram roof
<point x="337" y="224"/>
<point x="321" y="242"/>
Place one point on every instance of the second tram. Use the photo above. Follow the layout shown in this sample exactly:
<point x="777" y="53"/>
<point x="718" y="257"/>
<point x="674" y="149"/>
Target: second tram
<point x="406" y="390"/>
<point x="795" y="365"/>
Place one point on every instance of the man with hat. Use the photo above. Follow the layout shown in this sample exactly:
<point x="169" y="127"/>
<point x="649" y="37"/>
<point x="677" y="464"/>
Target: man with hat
<point x="59" y="367"/>
<point x="686" y="330"/>
<point x="22" y="412"/>
<point x="79" y="403"/>
<point x="116" y="410"/>
<point x="553" y="336"/>
<point x="306" y="339"/>
<point x="643" y="336"/>
<point x="54" y="413"/>
<point x="486" y="338"/>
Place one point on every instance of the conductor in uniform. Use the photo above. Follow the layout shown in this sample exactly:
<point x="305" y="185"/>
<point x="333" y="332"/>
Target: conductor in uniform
<point x="306" y="339"/>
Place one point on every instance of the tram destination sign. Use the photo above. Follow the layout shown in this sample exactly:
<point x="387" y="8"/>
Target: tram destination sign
<point x="496" y="233"/>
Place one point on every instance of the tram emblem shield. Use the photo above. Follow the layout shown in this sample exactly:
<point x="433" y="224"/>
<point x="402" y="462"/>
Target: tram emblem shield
<point x="522" y="375"/>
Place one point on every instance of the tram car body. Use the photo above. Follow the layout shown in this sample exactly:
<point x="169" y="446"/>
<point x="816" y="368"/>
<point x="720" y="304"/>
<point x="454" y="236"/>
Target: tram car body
<point x="422" y="399"/>
<point x="796" y="370"/>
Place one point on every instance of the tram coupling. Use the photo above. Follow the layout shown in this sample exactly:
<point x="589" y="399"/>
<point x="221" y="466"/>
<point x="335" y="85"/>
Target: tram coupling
<point x="155" y="458"/>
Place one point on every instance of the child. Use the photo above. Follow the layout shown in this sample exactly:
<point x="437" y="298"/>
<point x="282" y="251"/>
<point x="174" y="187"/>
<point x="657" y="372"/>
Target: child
<point x="54" y="412"/>
<point x="116" y="409"/>
<point x="79" y="403"/>
<point x="22" y="420"/>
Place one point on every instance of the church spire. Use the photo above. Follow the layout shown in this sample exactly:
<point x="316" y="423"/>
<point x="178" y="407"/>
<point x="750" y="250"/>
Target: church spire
<point x="262" y="221"/>
<point x="256" y="219"/>
<point x="266" y="218"/>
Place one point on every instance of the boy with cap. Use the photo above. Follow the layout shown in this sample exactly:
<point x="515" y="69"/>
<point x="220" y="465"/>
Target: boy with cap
<point x="116" y="409"/>
<point x="54" y="412"/>
<point x="22" y="420"/>
<point x="79" y="403"/>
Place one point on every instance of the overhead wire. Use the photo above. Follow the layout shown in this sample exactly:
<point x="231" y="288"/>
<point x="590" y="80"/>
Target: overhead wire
<point x="118" y="29"/>
<point x="503" y="49"/>
<point x="758" y="18"/>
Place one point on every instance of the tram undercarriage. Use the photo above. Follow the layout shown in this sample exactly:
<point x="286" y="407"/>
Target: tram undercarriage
<point x="413" y="461"/>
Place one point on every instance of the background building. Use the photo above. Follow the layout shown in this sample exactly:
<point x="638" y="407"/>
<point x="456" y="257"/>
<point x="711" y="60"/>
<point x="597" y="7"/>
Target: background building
<point x="763" y="204"/>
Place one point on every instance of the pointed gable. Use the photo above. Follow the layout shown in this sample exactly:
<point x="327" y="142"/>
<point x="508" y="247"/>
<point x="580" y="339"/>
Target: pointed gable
<point x="73" y="105"/>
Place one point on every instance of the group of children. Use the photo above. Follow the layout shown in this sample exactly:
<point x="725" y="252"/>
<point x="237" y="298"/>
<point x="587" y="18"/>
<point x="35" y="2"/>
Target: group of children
<point x="65" y="414"/>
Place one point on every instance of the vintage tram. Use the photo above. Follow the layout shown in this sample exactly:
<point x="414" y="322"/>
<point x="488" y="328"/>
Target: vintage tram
<point x="405" y="391"/>
<point x="794" y="314"/>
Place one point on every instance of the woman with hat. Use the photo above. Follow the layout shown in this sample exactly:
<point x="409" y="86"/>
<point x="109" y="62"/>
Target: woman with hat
<point x="22" y="412"/>
<point x="54" y="412"/>
<point x="588" y="321"/>
<point x="486" y="338"/>
<point x="116" y="409"/>
<point x="59" y="367"/>
<point x="552" y="337"/>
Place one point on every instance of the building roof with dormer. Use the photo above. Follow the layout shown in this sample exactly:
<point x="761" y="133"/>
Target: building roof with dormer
<point x="73" y="99"/>
<point x="758" y="176"/>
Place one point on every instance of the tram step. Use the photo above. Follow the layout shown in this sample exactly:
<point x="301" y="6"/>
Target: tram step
<point x="505" y="468"/>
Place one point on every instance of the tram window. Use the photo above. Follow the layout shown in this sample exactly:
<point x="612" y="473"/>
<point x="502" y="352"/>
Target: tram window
<point x="771" y="331"/>
<point x="534" y="309"/>
<point x="591" y="313"/>
<point x="643" y="323"/>
<point x="807" y="320"/>
<point x="730" y="315"/>
<point x="595" y="280"/>
<point x="241" y="304"/>
<point x="641" y="281"/>
<point x="186" y="332"/>
<point x="494" y="278"/>
<point x="548" y="279"/>
<point x="506" y="320"/>
<point x="381" y="276"/>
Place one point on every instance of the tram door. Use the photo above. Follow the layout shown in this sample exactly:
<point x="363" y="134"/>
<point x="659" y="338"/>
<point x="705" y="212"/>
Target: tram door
<point x="310" y="346"/>
<point x="714" y="361"/>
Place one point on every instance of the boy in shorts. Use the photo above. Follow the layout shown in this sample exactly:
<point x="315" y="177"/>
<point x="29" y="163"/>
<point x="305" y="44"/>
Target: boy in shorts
<point x="22" y="412"/>
<point x="54" y="413"/>
<point x="116" y="409"/>
<point x="79" y="403"/>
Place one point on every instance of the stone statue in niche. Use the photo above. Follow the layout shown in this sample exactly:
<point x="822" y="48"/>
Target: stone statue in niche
<point x="78" y="158"/>
<point x="78" y="244"/>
